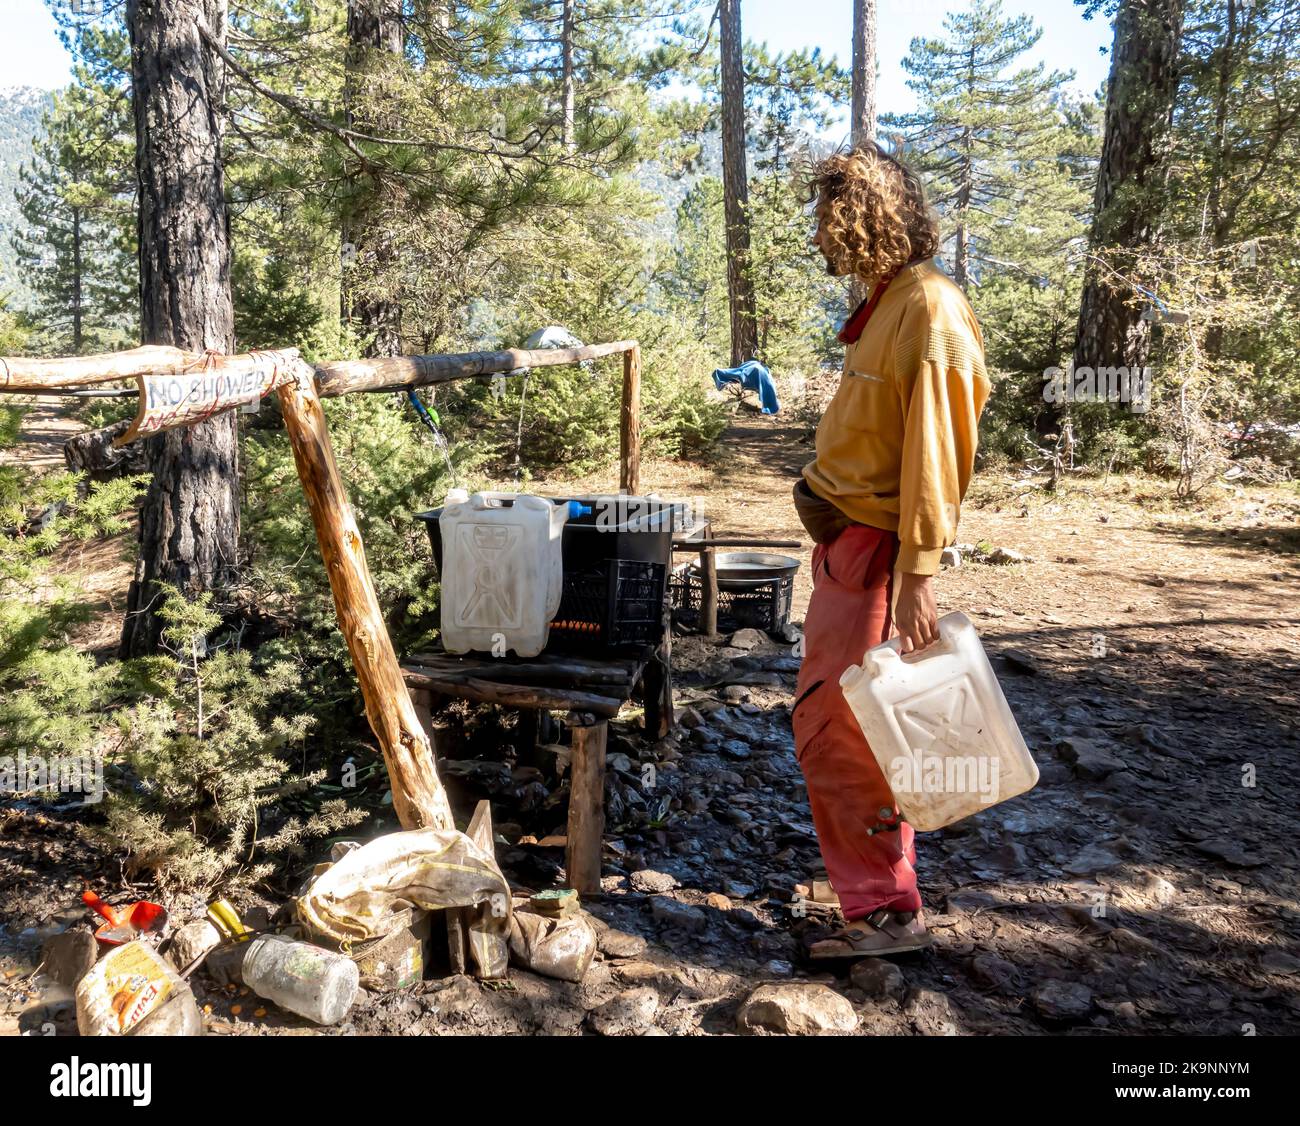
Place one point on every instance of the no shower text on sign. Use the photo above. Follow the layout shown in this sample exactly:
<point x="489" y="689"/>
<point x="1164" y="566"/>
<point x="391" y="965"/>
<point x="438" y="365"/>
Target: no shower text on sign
<point x="171" y="400"/>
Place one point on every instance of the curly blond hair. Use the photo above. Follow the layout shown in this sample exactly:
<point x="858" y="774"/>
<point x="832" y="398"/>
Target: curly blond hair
<point x="874" y="215"/>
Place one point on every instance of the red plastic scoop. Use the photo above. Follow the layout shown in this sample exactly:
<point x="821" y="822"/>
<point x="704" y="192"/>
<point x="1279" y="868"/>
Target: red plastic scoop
<point x="127" y="923"/>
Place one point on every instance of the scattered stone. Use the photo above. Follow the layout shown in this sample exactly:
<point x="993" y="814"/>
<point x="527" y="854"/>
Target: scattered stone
<point x="651" y="882"/>
<point x="1090" y="760"/>
<point x="931" y="1013"/>
<point x="1091" y="859"/>
<point x="734" y="889"/>
<point x="68" y="956"/>
<point x="619" y="944"/>
<point x="1229" y="852"/>
<point x="1160" y="890"/>
<point x="878" y="979"/>
<point x="735" y="693"/>
<point x="796" y="1009"/>
<point x="628" y="1013"/>
<point x="718" y="901"/>
<point x="1010" y="857"/>
<point x="1017" y="660"/>
<point x="225" y="964"/>
<point x="747" y="639"/>
<point x="674" y="914"/>
<point x="950" y="557"/>
<point x="690" y="718"/>
<point x="735" y="749"/>
<point x="970" y="900"/>
<point x="1063" y="1000"/>
<point x="992" y="972"/>
<point x="1003" y="556"/>
<point x="193" y="941"/>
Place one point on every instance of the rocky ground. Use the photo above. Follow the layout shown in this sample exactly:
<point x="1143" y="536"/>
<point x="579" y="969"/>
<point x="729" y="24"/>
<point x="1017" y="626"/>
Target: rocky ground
<point x="1147" y="885"/>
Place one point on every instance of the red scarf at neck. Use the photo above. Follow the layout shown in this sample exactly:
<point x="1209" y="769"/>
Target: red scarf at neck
<point x="853" y="327"/>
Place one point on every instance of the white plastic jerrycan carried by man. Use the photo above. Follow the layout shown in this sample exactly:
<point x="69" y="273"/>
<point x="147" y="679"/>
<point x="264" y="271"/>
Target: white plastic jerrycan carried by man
<point x="502" y="571"/>
<point x="939" y="726"/>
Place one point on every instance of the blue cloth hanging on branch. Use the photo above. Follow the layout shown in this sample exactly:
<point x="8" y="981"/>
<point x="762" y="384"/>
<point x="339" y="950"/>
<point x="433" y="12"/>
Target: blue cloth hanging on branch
<point x="752" y="376"/>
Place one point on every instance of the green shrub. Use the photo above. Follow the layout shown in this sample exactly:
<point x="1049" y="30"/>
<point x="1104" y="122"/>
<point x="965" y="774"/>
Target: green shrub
<point x="205" y="751"/>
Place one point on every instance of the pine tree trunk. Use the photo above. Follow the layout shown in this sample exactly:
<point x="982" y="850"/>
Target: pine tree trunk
<point x="735" y="184"/>
<point x="373" y="25"/>
<point x="965" y="194"/>
<point x="189" y="523"/>
<point x="77" y="286"/>
<point x="862" y="123"/>
<point x="567" y="78"/>
<point x="1128" y="204"/>
<point x="862" y="112"/>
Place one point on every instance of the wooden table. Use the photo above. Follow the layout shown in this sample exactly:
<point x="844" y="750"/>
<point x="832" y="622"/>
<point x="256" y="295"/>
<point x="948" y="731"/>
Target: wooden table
<point x="591" y="690"/>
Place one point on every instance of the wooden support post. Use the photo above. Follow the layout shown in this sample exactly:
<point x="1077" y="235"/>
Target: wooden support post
<point x="708" y="593"/>
<point x="586" y="807"/>
<point x="418" y="797"/>
<point x="629" y="437"/>
<point x="657" y="682"/>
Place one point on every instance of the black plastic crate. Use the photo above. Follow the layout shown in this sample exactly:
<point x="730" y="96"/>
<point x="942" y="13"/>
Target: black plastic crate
<point x="614" y="604"/>
<point x="760" y="605"/>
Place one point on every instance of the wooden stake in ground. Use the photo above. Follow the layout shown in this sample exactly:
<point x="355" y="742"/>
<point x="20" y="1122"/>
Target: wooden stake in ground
<point x="418" y="796"/>
<point x="586" y="807"/>
<point x="629" y="458"/>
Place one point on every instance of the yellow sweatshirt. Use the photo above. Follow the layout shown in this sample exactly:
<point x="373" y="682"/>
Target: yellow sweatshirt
<point x="896" y="446"/>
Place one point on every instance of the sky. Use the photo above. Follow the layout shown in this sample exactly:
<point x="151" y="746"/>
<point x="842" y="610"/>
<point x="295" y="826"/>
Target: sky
<point x="31" y="55"/>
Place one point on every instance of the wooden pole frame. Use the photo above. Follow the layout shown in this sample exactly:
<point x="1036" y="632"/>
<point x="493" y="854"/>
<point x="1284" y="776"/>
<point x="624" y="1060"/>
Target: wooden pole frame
<point x="419" y="798"/>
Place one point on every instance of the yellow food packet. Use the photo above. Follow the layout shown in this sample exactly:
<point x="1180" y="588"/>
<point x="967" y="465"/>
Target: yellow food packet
<point x="126" y="985"/>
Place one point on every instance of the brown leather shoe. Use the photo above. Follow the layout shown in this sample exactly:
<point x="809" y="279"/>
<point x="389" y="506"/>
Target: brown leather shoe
<point x="877" y="935"/>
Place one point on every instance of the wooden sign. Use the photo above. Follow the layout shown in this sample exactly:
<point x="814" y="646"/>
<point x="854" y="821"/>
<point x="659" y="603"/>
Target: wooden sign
<point x="207" y="387"/>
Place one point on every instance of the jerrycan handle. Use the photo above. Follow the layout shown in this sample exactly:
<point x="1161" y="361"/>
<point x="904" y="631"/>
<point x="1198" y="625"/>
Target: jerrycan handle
<point x="876" y="660"/>
<point x="949" y="626"/>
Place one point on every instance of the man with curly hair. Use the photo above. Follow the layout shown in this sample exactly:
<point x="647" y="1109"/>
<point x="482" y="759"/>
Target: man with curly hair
<point x="895" y="450"/>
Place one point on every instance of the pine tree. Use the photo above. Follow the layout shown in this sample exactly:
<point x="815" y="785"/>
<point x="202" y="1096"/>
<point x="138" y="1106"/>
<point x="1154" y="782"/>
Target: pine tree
<point x="986" y="135"/>
<point x="76" y="197"/>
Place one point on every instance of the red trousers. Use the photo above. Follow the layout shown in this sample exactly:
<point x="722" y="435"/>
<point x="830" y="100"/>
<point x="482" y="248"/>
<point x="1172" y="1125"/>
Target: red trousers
<point x="869" y="854"/>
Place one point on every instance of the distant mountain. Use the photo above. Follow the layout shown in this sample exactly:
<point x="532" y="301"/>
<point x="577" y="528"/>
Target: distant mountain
<point x="20" y="120"/>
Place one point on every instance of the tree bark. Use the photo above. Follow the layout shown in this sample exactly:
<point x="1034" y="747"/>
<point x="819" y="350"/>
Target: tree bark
<point x="373" y="25"/>
<point x="92" y="452"/>
<point x="735" y="185"/>
<point x="567" y="78"/>
<point x="189" y="523"/>
<point x="77" y="285"/>
<point x="1134" y="160"/>
<point x="862" y="124"/>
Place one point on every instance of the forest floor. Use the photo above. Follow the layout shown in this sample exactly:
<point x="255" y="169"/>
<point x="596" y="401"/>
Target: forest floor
<point x="1150" y="651"/>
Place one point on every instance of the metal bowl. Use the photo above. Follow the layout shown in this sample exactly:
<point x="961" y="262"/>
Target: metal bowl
<point x="739" y="570"/>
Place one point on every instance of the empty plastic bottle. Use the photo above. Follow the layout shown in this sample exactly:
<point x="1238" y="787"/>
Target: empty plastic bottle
<point x="314" y="983"/>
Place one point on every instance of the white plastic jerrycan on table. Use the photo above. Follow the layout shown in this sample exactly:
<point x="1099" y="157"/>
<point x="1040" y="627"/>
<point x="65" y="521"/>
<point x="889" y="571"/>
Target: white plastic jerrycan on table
<point x="939" y="726"/>
<point x="502" y="572"/>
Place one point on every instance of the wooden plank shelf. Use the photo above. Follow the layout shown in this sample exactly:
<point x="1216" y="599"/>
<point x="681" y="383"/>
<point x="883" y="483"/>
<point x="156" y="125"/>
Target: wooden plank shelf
<point x="590" y="689"/>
